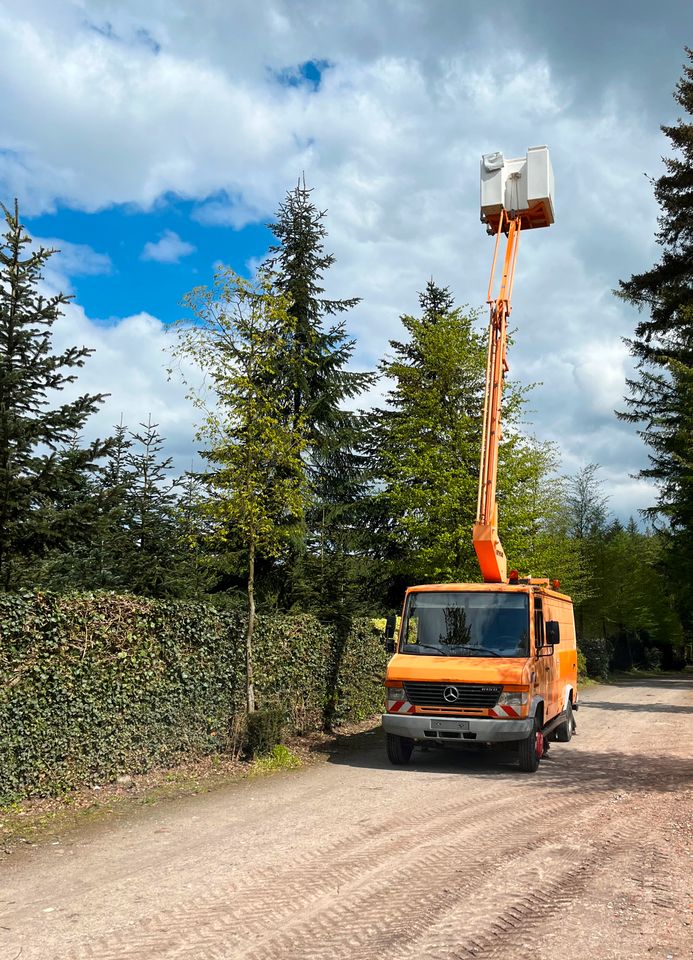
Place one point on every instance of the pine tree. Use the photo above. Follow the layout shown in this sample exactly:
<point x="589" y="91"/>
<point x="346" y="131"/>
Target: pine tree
<point x="151" y="544"/>
<point x="316" y="357"/>
<point x="426" y="446"/>
<point x="34" y="428"/>
<point x="660" y="396"/>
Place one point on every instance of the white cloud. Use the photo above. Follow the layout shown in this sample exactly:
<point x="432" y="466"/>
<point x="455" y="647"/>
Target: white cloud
<point x="169" y="248"/>
<point x="71" y="260"/>
<point x="168" y="101"/>
<point x="129" y="364"/>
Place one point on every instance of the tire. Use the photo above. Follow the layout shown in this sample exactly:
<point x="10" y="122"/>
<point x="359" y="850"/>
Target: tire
<point x="564" y="733"/>
<point x="531" y="749"/>
<point x="398" y="748"/>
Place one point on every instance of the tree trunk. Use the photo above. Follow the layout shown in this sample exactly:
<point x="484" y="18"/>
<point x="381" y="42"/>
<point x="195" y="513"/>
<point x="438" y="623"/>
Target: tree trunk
<point x="249" y="689"/>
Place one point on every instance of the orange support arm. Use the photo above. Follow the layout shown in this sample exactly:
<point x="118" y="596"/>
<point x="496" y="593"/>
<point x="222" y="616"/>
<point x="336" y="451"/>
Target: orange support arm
<point x="486" y="541"/>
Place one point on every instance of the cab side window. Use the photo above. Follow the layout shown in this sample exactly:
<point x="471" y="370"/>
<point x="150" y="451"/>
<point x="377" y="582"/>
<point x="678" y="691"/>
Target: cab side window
<point x="538" y="623"/>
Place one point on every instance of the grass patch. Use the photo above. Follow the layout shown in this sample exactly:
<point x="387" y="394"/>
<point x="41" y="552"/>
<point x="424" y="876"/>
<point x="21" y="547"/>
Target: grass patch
<point x="279" y="758"/>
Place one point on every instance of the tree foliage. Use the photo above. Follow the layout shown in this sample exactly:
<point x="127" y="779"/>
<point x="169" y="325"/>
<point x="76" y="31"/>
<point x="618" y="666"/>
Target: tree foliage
<point x="660" y="397"/>
<point x="257" y="478"/>
<point x="319" y="386"/>
<point x="426" y="444"/>
<point x="40" y="458"/>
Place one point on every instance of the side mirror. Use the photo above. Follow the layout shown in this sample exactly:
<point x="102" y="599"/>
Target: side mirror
<point x="553" y="632"/>
<point x="390" y="625"/>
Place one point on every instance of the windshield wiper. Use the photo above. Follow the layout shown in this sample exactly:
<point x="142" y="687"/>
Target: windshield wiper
<point x="427" y="646"/>
<point x="483" y="649"/>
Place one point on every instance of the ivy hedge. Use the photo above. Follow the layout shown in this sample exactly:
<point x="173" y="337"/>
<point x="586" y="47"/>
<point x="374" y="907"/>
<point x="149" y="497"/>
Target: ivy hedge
<point x="95" y="685"/>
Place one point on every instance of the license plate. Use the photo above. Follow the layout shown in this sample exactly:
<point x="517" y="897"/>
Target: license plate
<point x="450" y="724"/>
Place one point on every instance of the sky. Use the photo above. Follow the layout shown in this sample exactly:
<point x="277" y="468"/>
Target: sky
<point x="149" y="142"/>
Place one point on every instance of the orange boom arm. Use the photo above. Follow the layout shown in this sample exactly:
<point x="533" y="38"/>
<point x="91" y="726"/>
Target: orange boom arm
<point x="486" y="541"/>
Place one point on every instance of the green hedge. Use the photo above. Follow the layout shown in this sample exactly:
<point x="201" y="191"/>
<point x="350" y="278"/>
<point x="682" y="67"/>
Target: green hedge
<point x="597" y="653"/>
<point x="96" y="685"/>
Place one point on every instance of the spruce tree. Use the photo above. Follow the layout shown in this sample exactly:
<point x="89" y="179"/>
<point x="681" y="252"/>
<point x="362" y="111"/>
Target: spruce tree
<point x="314" y="370"/>
<point x="660" y="397"/>
<point x="150" y="553"/>
<point x="70" y="522"/>
<point x="426" y="446"/>
<point x="426" y="451"/>
<point x="34" y="427"/>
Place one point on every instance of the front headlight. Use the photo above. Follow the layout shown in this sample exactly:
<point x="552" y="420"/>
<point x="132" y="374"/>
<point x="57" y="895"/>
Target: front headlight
<point x="513" y="699"/>
<point x="396" y="693"/>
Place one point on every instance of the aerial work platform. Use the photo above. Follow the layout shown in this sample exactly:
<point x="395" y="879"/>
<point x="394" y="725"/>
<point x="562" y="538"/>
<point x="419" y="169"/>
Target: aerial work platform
<point x="516" y="195"/>
<point x="522" y="188"/>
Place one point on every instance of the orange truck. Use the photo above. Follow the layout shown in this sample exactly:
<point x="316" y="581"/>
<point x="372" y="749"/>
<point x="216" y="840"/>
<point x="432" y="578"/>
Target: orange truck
<point x="491" y="662"/>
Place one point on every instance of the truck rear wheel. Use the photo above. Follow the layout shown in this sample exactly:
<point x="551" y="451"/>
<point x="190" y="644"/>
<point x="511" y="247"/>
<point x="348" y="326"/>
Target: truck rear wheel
<point x="531" y="749"/>
<point x="398" y="748"/>
<point x="564" y="733"/>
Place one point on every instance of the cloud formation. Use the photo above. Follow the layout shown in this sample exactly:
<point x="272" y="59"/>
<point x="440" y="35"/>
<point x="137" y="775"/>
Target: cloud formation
<point x="151" y="100"/>
<point x="169" y="248"/>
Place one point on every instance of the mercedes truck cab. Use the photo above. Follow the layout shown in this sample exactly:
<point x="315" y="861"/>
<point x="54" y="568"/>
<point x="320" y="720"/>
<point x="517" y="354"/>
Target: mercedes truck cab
<point x="488" y="662"/>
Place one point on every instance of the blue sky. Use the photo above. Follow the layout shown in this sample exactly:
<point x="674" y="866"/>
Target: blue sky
<point x="134" y="283"/>
<point x="151" y="141"/>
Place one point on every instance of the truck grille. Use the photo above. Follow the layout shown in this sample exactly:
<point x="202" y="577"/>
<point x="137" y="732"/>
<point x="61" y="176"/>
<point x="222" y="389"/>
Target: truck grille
<point x="479" y="695"/>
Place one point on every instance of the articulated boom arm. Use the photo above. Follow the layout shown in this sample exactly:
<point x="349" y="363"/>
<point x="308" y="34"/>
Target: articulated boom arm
<point x="486" y="542"/>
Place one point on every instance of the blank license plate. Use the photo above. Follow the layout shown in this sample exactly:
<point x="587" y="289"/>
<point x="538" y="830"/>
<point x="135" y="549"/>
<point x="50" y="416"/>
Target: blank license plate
<point x="450" y="724"/>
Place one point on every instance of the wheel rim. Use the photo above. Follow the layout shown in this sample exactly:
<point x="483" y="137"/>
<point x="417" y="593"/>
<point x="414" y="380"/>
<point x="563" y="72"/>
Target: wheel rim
<point x="539" y="744"/>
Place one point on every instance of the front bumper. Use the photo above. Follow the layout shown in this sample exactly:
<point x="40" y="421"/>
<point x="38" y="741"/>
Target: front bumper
<point x="487" y="731"/>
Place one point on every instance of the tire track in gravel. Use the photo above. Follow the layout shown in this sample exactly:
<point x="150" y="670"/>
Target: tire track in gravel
<point x="366" y="924"/>
<point x="283" y="886"/>
<point x="268" y="905"/>
<point x="502" y="915"/>
<point x="265" y="922"/>
<point x="433" y="878"/>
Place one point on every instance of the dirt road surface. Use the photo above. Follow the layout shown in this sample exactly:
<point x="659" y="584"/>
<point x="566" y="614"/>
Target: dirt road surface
<point x="456" y="856"/>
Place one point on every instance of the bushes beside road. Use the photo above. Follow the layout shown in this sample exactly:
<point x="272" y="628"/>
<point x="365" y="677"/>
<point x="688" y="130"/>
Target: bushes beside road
<point x="95" y="685"/>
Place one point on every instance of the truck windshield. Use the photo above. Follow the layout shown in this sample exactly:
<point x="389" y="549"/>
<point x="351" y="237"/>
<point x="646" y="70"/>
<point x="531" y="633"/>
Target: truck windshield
<point x="474" y="624"/>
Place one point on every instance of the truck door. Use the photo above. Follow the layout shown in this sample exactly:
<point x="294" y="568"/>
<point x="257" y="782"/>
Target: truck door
<point x="542" y="662"/>
<point x="553" y="666"/>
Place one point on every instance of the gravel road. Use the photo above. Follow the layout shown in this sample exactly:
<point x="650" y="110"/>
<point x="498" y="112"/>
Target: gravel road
<point x="458" y="855"/>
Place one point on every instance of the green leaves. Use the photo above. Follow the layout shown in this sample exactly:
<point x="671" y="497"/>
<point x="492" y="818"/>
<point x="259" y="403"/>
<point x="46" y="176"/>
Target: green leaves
<point x="257" y="475"/>
<point x="94" y="685"/>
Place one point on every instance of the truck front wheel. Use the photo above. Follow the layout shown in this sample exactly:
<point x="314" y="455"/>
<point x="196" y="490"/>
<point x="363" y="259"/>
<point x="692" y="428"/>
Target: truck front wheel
<point x="398" y="748"/>
<point x="531" y="749"/>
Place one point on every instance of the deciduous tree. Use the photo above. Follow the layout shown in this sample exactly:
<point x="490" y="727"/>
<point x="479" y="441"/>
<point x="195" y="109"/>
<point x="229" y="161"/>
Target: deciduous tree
<point x="257" y="478"/>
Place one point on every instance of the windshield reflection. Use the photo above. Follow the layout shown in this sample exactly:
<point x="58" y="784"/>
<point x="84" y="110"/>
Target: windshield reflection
<point x="457" y="624"/>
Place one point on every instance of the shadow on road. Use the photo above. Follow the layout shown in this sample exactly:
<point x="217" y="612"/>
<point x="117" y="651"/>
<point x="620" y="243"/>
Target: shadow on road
<point x="574" y="766"/>
<point x="646" y="706"/>
<point x="567" y="766"/>
<point x="663" y="681"/>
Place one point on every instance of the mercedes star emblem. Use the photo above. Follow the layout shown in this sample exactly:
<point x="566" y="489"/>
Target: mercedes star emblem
<point x="451" y="694"/>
